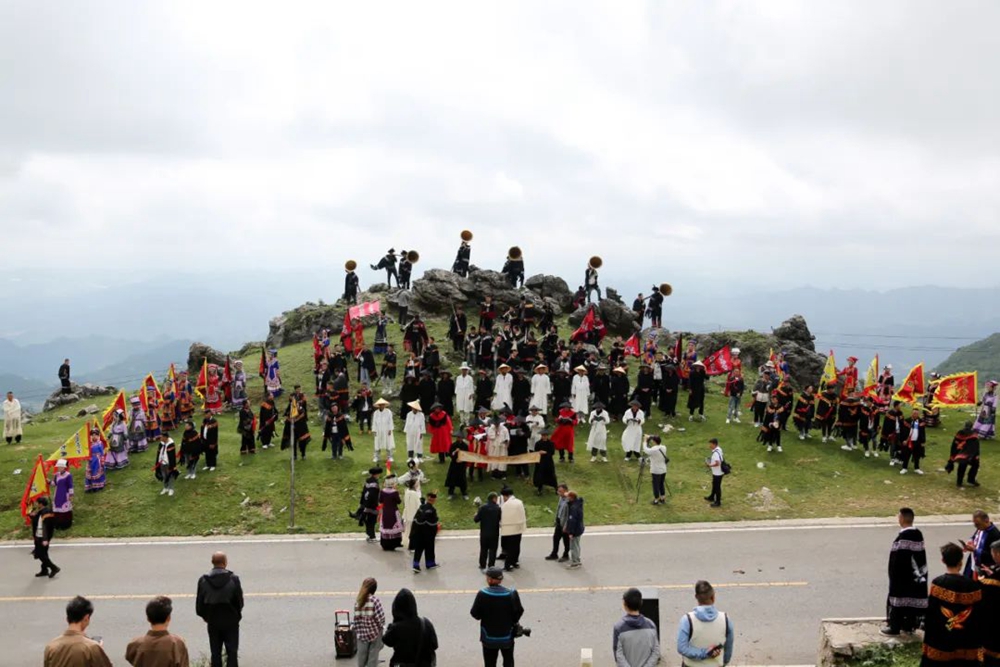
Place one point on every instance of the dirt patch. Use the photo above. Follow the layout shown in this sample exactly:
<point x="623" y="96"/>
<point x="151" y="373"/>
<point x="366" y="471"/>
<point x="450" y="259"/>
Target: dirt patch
<point x="764" y="500"/>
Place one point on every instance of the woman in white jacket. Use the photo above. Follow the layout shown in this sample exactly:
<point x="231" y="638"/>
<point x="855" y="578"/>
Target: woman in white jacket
<point x="465" y="390"/>
<point x="633" y="419"/>
<point x="657" y="455"/>
<point x="382" y="427"/>
<point x="597" y="441"/>
<point x="414" y="429"/>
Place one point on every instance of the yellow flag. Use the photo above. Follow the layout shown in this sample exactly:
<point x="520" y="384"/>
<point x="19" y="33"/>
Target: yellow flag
<point x="38" y="486"/>
<point x="871" y="376"/>
<point x="829" y="377"/>
<point x="76" y="447"/>
<point x="293" y="409"/>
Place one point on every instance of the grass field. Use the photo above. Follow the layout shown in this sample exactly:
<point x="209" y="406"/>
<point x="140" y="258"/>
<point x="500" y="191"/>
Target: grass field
<point x="248" y="495"/>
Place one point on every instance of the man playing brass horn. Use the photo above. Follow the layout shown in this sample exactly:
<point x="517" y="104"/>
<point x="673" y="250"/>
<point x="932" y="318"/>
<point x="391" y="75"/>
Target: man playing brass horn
<point x="590" y="281"/>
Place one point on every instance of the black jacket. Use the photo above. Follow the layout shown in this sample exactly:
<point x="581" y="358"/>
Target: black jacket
<point x="220" y="599"/>
<point x="498" y="610"/>
<point x="488" y="518"/>
<point x="403" y="635"/>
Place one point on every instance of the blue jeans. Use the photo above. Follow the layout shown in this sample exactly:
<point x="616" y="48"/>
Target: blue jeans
<point x="734" y="408"/>
<point x="368" y="652"/>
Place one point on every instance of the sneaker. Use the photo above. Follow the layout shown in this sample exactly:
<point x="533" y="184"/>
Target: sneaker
<point x="973" y="483"/>
<point x="573" y="566"/>
<point x="918" y="471"/>
<point x="892" y="463"/>
<point x="212" y="469"/>
<point x="846" y="448"/>
<point x="434" y="566"/>
<point x="903" y="471"/>
<point x="374" y="459"/>
<point x="824" y="438"/>
<point x="163" y="492"/>
<point x="371" y="540"/>
<point x="465" y="497"/>
<point x="205" y="468"/>
<point x="769" y="448"/>
<point x="716" y="505"/>
<point x="416" y="569"/>
<point x="709" y="498"/>
<point x="563" y="559"/>
<point x="727" y="420"/>
<point x="703" y="417"/>
<point x="801" y="437"/>
<point x="737" y="420"/>
<point x="604" y="459"/>
<point x="691" y="418"/>
<point x="889" y="632"/>
<point x="593" y="458"/>
<point x="779" y="449"/>
<point x="875" y="454"/>
<point x="170" y="492"/>
<point x="552" y="557"/>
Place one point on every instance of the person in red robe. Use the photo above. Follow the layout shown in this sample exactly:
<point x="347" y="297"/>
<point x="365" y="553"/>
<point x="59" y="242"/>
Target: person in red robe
<point x="565" y="434"/>
<point x="439" y="427"/>
<point x="475" y="434"/>
<point x="850" y="375"/>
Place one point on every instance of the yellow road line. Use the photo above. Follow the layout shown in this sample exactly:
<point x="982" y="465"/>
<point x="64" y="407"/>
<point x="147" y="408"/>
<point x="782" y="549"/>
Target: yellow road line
<point x="439" y="591"/>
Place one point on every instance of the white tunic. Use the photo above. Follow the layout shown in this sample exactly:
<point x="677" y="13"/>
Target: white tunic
<point x="501" y="391"/>
<point x="632" y="435"/>
<point x="598" y="438"/>
<point x="12" y="418"/>
<point x="537" y="423"/>
<point x="541" y="387"/>
<point x="382" y="427"/>
<point x="465" y="391"/>
<point x="411" y="501"/>
<point x="414" y="430"/>
<point x="580" y="390"/>
<point x="513" y="520"/>
<point x="497" y="442"/>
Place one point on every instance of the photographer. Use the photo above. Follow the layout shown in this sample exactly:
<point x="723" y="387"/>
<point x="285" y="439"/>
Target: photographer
<point x="498" y="610"/>
<point x="658" y="460"/>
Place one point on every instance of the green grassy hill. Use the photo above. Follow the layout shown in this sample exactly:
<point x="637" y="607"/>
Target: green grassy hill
<point x="982" y="356"/>
<point x="249" y="494"/>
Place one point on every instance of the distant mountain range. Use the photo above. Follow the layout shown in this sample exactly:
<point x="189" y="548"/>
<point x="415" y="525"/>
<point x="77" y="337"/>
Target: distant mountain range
<point x="982" y="356"/>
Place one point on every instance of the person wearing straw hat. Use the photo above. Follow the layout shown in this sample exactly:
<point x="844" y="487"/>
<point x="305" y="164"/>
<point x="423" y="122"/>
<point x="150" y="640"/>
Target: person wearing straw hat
<point x="439" y="427"/>
<point x="541" y="387"/>
<point x="497" y="444"/>
<point x="465" y="390"/>
<point x="597" y="441"/>
<point x="414" y="428"/>
<point x="632" y="435"/>
<point x="564" y="436"/>
<point x="382" y="426"/>
<point x="502" y="387"/>
<point x="580" y="391"/>
<point x="535" y="421"/>
<point x="696" y="390"/>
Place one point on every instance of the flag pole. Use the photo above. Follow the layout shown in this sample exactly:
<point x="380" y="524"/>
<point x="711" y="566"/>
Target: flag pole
<point x="291" y="499"/>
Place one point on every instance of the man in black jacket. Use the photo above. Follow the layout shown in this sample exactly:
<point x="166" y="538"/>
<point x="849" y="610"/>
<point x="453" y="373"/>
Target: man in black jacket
<point x="498" y="610"/>
<point x="220" y="605"/>
<point x="488" y="518"/>
<point x="41" y="529"/>
<point x="367" y="513"/>
<point x="64" y="377"/>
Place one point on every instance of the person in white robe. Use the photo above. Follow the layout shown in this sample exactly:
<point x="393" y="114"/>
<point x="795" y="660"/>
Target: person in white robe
<point x="414" y="428"/>
<point x="411" y="501"/>
<point x="465" y="392"/>
<point x="497" y="442"/>
<point x="580" y="391"/>
<point x="12" y="430"/>
<point x="536" y="422"/>
<point x="541" y="388"/>
<point x="633" y="419"/>
<point x="597" y="441"/>
<point x="382" y="427"/>
<point x="502" y="388"/>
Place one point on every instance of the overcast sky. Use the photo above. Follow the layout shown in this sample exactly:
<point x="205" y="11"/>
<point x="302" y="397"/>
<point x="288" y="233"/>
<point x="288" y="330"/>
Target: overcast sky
<point x="827" y="143"/>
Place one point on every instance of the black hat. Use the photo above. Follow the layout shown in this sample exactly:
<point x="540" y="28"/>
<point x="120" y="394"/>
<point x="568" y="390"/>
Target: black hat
<point x="436" y="404"/>
<point x="494" y="572"/>
<point x="375" y="471"/>
<point x="635" y="402"/>
<point x="506" y="491"/>
<point x="458" y="435"/>
<point x="598" y="405"/>
<point x="477" y="422"/>
<point x="547" y="430"/>
<point x="565" y="404"/>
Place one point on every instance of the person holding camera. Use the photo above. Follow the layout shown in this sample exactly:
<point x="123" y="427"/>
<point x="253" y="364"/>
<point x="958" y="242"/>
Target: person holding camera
<point x="715" y="464"/>
<point x="705" y="635"/>
<point x="658" y="460"/>
<point x="498" y="610"/>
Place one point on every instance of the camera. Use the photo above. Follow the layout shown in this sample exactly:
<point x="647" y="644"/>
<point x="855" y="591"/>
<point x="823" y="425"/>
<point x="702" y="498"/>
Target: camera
<point x="521" y="631"/>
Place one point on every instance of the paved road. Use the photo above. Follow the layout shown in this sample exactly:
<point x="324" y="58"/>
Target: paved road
<point x="777" y="579"/>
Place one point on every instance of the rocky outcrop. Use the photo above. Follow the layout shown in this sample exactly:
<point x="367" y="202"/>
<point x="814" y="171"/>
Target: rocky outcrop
<point x="795" y="342"/>
<point x="438" y="290"/>
<point x="78" y="392"/>
<point x="299" y="324"/>
<point x="198" y="353"/>
<point x="616" y="317"/>
<point x="551" y="287"/>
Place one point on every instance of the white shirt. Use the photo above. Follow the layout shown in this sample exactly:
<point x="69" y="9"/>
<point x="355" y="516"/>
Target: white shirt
<point x="657" y="458"/>
<point x="513" y="520"/>
<point x="716" y="455"/>
<point x="502" y="391"/>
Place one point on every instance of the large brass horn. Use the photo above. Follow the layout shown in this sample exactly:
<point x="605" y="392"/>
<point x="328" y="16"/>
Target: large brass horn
<point x="595" y="262"/>
<point x="514" y="253"/>
<point x="466" y="235"/>
<point x="350" y="265"/>
<point x="666" y="289"/>
<point x="413" y="256"/>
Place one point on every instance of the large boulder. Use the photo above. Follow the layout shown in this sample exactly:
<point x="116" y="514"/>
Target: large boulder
<point x="299" y="324"/>
<point x="795" y="341"/>
<point x="617" y="318"/>
<point x="551" y="287"/>
<point x="795" y="330"/>
<point x="198" y="353"/>
<point x="78" y="392"/>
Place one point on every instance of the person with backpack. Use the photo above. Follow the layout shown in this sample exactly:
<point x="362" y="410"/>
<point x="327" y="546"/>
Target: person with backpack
<point x="658" y="459"/>
<point x="717" y="465"/>
<point x="411" y="637"/>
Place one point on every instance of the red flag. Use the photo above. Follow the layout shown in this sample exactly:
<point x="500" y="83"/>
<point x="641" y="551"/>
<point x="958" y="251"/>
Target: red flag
<point x="38" y="486"/>
<point x="591" y="322"/>
<point x="632" y="346"/>
<point x="262" y="367"/>
<point x="117" y="404"/>
<point x="227" y="381"/>
<point x="957" y="390"/>
<point x="913" y="385"/>
<point x="201" y="384"/>
<point x="679" y="348"/>
<point x="719" y="362"/>
<point x="345" y="334"/>
<point x="364" y="309"/>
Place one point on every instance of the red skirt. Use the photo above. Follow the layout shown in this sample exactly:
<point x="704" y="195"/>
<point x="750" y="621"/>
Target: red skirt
<point x="563" y="437"/>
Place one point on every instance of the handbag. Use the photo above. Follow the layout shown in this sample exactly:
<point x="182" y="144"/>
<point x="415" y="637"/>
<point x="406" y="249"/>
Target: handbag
<point x="420" y="648"/>
<point x="726" y="468"/>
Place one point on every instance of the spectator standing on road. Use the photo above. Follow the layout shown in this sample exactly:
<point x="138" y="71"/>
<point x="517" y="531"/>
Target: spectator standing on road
<point x="558" y="535"/>
<point x="423" y="534"/>
<point x="513" y="523"/>
<point x="907" y="578"/>
<point x="42" y="528"/>
<point x="369" y="623"/>
<point x="411" y="637"/>
<point x="705" y="635"/>
<point x="73" y="648"/>
<point x="158" y="648"/>
<point x="635" y="641"/>
<point x="498" y="610"/>
<point x="574" y="527"/>
<point x="657" y="455"/>
<point x="714" y="464"/>
<point x="488" y="518"/>
<point x="220" y="605"/>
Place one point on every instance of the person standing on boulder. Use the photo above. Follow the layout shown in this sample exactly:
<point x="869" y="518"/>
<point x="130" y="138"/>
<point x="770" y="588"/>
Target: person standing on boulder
<point x="64" y="377"/>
